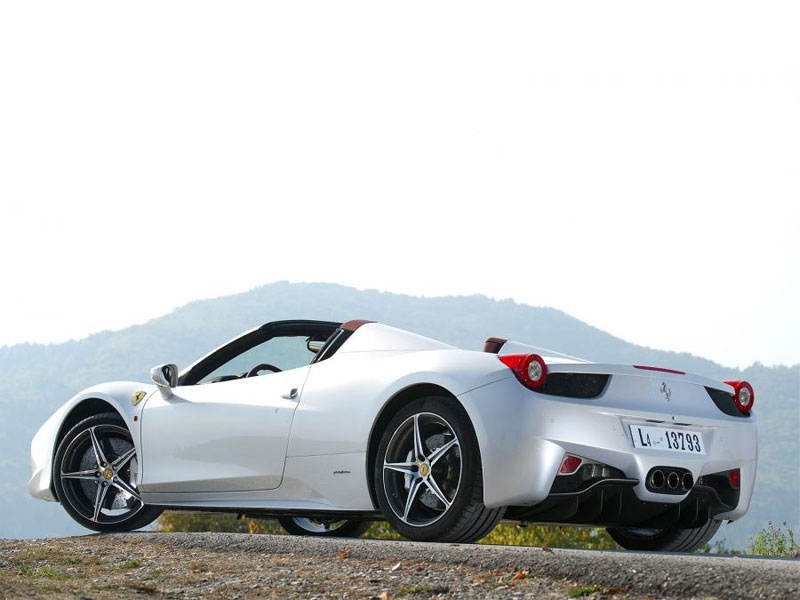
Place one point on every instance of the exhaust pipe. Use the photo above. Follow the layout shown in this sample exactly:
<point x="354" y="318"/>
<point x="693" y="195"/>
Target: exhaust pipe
<point x="673" y="481"/>
<point x="670" y="480"/>
<point x="657" y="479"/>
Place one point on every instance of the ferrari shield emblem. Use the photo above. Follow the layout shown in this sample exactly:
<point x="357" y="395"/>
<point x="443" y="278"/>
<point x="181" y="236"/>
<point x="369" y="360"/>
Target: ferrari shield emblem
<point x="137" y="397"/>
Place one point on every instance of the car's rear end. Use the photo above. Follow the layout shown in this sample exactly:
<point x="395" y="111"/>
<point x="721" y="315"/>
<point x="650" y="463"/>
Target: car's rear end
<point x="613" y="445"/>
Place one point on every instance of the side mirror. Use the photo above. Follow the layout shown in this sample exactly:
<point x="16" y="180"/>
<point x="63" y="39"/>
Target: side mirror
<point x="165" y="377"/>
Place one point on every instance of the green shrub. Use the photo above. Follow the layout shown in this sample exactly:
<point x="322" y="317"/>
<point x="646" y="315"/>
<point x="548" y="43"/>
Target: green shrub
<point x="770" y="541"/>
<point x="191" y="521"/>
<point x="774" y="541"/>
<point x="504" y="534"/>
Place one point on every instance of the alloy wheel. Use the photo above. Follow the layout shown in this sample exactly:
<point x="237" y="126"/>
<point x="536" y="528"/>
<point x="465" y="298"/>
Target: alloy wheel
<point x="422" y="469"/>
<point x="98" y="475"/>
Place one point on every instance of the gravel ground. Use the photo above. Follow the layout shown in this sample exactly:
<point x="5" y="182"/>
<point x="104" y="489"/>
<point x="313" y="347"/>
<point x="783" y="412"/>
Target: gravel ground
<point x="191" y="565"/>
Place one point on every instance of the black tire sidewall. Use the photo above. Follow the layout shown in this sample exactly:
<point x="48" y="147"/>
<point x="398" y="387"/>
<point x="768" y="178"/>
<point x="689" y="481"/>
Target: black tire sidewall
<point x="145" y="516"/>
<point x="672" y="539"/>
<point x="457" y="417"/>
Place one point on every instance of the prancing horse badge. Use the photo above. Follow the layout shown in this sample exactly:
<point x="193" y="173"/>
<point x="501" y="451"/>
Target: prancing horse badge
<point x="137" y="397"/>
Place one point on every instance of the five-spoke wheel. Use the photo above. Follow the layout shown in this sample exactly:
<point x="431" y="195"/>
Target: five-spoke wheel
<point x="95" y="472"/>
<point x="422" y="469"/>
<point x="428" y="476"/>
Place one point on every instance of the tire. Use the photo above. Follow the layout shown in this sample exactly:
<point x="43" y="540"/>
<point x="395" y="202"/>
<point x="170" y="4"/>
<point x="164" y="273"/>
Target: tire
<point x="99" y="492"/>
<point x="318" y="528"/>
<point x="441" y="474"/>
<point x="665" y="540"/>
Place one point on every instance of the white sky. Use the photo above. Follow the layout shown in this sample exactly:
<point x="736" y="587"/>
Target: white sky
<point x="635" y="165"/>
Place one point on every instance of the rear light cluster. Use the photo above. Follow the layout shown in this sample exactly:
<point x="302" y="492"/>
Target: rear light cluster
<point x="530" y="369"/>
<point x="743" y="396"/>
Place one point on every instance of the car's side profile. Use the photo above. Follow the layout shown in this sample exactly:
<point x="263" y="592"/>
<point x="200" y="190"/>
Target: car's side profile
<point x="328" y="426"/>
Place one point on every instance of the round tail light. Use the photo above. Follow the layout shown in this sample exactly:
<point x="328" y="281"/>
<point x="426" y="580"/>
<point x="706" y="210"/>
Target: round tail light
<point x="530" y="369"/>
<point x="743" y="396"/>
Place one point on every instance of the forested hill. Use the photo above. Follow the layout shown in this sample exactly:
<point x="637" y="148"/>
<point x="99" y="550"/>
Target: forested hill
<point x="35" y="379"/>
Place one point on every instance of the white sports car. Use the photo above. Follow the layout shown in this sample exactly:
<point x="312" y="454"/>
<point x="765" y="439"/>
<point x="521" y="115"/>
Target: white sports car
<point x="329" y="426"/>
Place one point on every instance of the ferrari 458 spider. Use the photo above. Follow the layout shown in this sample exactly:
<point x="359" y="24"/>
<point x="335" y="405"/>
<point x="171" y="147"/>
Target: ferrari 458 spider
<point x="329" y="426"/>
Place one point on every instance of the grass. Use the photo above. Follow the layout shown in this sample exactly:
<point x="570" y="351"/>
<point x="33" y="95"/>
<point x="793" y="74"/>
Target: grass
<point x="134" y="563"/>
<point x="45" y="572"/>
<point x="584" y="590"/>
<point x="420" y="588"/>
<point x="198" y="567"/>
<point x="152" y="574"/>
<point x="143" y="587"/>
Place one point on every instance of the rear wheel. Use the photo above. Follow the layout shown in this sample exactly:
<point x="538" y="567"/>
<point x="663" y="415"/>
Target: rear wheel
<point x="94" y="475"/>
<point x="671" y="539"/>
<point x="428" y="476"/>
<point x="324" y="527"/>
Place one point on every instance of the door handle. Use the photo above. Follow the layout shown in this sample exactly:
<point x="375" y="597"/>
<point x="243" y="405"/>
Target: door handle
<point x="291" y="395"/>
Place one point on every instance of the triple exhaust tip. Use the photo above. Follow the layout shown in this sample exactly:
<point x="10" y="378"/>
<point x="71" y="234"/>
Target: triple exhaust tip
<point x="672" y="479"/>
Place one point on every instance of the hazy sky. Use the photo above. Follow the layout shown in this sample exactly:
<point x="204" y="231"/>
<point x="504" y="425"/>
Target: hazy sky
<point x="636" y="165"/>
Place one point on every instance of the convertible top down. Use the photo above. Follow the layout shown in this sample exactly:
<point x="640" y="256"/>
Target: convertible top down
<point x="328" y="426"/>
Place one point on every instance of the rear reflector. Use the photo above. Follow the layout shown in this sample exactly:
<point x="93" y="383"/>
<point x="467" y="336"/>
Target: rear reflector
<point x="530" y="369"/>
<point x="661" y="369"/>
<point x="733" y="478"/>
<point x="570" y="464"/>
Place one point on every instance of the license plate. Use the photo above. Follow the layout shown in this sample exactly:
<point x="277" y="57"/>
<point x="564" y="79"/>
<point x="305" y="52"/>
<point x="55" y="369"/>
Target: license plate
<point x="667" y="438"/>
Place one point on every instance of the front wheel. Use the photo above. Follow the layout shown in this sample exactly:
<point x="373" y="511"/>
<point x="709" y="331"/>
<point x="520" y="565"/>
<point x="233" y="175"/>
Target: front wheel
<point x="428" y="476"/>
<point x="324" y="527"/>
<point x="94" y="475"/>
<point x="671" y="539"/>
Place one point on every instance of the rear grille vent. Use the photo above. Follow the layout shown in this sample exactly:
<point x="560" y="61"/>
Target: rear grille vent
<point x="724" y="402"/>
<point x="574" y="385"/>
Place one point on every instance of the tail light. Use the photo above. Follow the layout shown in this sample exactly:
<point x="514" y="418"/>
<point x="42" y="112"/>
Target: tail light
<point x="743" y="396"/>
<point x="530" y="369"/>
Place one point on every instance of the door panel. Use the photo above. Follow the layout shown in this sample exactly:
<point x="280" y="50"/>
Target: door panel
<point x="225" y="436"/>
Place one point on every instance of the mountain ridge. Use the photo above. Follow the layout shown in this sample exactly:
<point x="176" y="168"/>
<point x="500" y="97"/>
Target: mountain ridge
<point x="480" y="297"/>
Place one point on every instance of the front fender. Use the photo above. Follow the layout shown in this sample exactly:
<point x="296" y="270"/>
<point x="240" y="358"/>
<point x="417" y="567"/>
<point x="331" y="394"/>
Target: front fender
<point x="118" y="394"/>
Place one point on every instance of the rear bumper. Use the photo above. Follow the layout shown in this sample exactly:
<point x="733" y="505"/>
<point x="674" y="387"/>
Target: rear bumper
<point x="613" y="502"/>
<point x="523" y="437"/>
